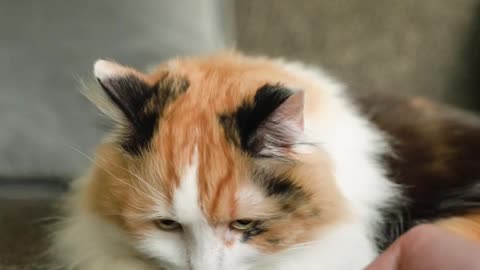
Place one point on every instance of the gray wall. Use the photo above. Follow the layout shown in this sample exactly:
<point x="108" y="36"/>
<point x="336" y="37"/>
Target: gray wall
<point x="46" y="46"/>
<point x="427" y="47"/>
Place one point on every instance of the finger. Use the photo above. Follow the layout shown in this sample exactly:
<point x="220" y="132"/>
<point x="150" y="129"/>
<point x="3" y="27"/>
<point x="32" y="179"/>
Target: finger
<point x="429" y="247"/>
<point x="388" y="260"/>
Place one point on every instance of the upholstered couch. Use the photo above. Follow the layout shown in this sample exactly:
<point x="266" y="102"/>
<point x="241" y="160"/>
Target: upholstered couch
<point x="45" y="123"/>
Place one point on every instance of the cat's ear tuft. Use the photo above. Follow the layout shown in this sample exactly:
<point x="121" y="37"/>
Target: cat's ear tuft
<point x="126" y="90"/>
<point x="273" y="124"/>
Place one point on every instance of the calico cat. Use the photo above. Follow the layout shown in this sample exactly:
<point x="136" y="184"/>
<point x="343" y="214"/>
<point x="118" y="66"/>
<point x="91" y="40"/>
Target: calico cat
<point x="238" y="162"/>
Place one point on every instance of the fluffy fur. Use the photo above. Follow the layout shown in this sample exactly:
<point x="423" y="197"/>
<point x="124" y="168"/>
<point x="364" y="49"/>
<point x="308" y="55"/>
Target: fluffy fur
<point x="206" y="142"/>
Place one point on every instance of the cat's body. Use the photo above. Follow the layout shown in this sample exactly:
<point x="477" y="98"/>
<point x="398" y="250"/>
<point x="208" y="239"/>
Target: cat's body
<point x="232" y="162"/>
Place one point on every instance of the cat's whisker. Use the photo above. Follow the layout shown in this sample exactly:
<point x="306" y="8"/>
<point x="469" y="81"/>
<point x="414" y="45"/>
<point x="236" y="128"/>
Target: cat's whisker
<point x="39" y="221"/>
<point x="143" y="181"/>
<point x="112" y="175"/>
<point x="119" y="214"/>
<point x="151" y="188"/>
<point x="304" y="245"/>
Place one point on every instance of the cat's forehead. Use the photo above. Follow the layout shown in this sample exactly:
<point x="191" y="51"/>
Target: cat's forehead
<point x="197" y="150"/>
<point x="227" y="109"/>
<point x="190" y="131"/>
<point x="228" y="77"/>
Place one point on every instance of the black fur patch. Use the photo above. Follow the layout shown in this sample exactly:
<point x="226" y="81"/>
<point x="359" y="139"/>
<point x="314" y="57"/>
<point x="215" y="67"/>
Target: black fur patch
<point x="436" y="159"/>
<point x="280" y="186"/>
<point x="138" y="139"/>
<point x="254" y="231"/>
<point x="289" y="195"/>
<point x="129" y="94"/>
<point x="274" y="241"/>
<point x="142" y="106"/>
<point x="241" y="126"/>
<point x="169" y="89"/>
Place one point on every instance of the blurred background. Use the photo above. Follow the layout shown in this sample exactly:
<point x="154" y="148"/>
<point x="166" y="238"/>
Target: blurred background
<point x="429" y="48"/>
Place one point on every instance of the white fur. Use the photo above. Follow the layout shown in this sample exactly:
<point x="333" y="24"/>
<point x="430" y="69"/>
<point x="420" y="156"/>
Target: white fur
<point x="353" y="144"/>
<point x="185" y="200"/>
<point x="340" y="247"/>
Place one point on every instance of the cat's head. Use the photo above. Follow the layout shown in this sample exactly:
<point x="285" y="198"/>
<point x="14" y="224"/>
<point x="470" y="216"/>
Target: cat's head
<point x="210" y="165"/>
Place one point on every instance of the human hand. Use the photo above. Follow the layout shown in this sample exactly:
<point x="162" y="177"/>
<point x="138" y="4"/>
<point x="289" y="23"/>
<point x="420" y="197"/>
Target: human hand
<point x="428" y="247"/>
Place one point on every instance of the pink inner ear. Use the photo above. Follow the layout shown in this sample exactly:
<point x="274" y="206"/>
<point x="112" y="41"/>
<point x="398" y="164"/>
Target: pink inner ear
<point x="292" y="110"/>
<point x="279" y="132"/>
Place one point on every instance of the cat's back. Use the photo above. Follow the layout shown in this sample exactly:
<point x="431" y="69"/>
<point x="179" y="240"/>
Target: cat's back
<point x="435" y="158"/>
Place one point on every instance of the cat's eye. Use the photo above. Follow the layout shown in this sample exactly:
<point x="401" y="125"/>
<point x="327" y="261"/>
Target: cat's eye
<point x="243" y="224"/>
<point x="167" y="224"/>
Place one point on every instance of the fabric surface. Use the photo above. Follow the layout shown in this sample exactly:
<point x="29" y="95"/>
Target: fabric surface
<point x="23" y="227"/>
<point x="426" y="47"/>
<point x="46" y="46"/>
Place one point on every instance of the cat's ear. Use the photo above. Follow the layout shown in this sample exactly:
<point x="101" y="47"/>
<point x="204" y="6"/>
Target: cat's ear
<point x="123" y="95"/>
<point x="273" y="124"/>
<point x="135" y="101"/>
<point x="282" y="128"/>
<point x="126" y="89"/>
